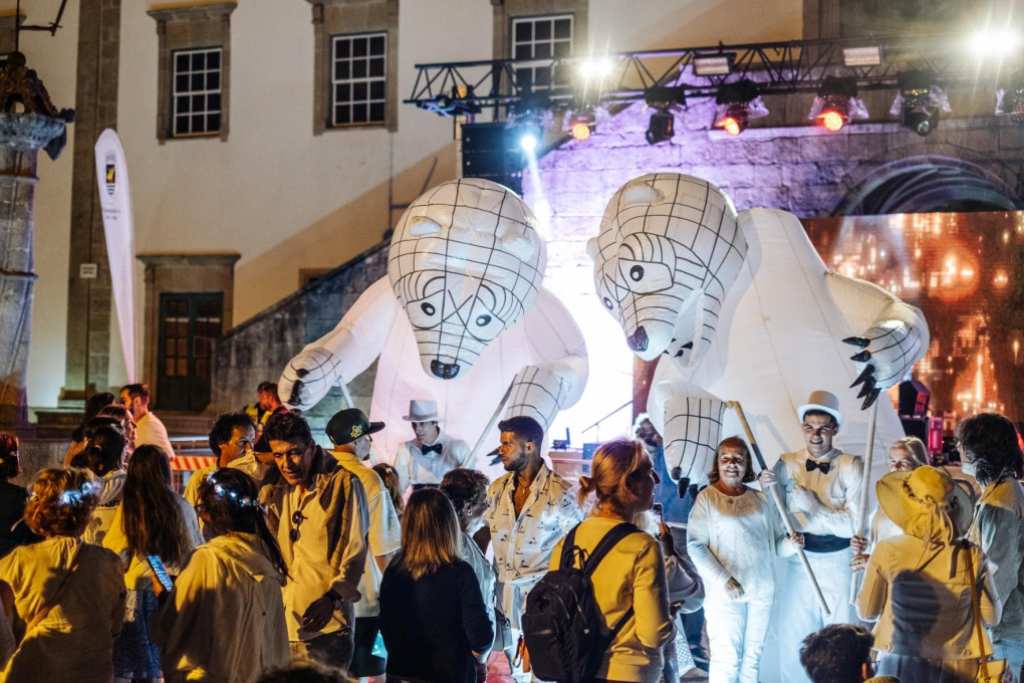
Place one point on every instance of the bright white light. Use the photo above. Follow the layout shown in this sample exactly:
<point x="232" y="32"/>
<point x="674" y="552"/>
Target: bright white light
<point x="528" y="143"/>
<point x="596" y="68"/>
<point x="994" y="43"/>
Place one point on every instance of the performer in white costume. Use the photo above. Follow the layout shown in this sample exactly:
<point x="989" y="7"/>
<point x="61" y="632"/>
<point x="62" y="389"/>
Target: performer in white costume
<point x="821" y="486"/>
<point x="741" y="307"/>
<point x="433" y="453"/>
<point x="461" y="316"/>
<point x="732" y="532"/>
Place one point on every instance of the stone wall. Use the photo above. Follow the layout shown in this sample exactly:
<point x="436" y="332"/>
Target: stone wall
<point x="259" y="349"/>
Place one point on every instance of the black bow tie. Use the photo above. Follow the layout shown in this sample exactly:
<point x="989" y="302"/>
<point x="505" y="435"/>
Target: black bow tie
<point x="436" y="448"/>
<point x="811" y="465"/>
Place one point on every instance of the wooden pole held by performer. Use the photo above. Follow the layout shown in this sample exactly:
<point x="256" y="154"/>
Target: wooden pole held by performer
<point x="779" y="504"/>
<point x="865" y="490"/>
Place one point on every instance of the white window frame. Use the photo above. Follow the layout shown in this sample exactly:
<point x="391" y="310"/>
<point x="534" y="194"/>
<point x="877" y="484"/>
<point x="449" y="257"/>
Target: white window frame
<point x="352" y="80"/>
<point x="175" y="93"/>
<point x="536" y="64"/>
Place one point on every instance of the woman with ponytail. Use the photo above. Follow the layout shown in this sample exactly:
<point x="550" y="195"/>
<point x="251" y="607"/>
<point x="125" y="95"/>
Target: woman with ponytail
<point x="224" y="620"/>
<point x="152" y="520"/>
<point x="631" y="577"/>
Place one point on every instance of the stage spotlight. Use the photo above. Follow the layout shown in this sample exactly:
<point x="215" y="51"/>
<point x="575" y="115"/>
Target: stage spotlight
<point x="579" y="124"/>
<point x="836" y="104"/>
<point x="663" y="100"/>
<point x="735" y="119"/>
<point x="862" y="56"/>
<point x="736" y="104"/>
<point x="596" y="69"/>
<point x="662" y="127"/>
<point x="920" y="102"/>
<point x="713" y="65"/>
<point x="528" y="142"/>
<point x="994" y="43"/>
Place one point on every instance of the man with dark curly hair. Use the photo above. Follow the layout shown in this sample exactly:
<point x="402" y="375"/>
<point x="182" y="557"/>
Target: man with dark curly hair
<point x="840" y="653"/>
<point x="990" y="451"/>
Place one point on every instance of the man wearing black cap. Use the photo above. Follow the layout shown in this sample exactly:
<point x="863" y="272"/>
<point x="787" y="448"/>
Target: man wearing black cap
<point x="385" y="531"/>
<point x="317" y="510"/>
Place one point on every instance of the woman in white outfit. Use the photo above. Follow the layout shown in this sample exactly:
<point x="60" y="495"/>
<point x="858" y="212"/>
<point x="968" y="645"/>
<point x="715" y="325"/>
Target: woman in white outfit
<point x="732" y="533"/>
<point x="905" y="455"/>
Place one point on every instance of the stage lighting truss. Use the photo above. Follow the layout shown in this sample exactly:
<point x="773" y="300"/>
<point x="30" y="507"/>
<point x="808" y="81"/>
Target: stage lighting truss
<point x="783" y="68"/>
<point x="736" y="104"/>
<point x="836" y="104"/>
<point x="920" y="102"/>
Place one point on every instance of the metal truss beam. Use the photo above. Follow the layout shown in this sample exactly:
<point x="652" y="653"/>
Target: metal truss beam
<point x="798" y="66"/>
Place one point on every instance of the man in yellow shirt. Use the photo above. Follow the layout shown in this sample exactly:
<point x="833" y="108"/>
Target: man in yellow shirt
<point x="231" y="440"/>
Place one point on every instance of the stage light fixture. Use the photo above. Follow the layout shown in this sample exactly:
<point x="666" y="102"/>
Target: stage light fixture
<point x="713" y="65"/>
<point x="664" y="100"/>
<point x="528" y="141"/>
<point x="736" y="104"/>
<point x="993" y="43"/>
<point x="596" y="69"/>
<point x="862" y="56"/>
<point x="579" y="123"/>
<point x="661" y="127"/>
<point x="836" y="104"/>
<point x="920" y="102"/>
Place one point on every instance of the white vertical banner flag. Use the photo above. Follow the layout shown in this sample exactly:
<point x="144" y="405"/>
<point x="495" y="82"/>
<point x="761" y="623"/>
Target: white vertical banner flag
<point x="116" y="202"/>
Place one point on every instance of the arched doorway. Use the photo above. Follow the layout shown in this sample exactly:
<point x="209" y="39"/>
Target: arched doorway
<point x="929" y="184"/>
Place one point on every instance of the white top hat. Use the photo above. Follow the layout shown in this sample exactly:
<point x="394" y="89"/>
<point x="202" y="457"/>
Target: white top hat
<point x="824" y="401"/>
<point x="422" y="411"/>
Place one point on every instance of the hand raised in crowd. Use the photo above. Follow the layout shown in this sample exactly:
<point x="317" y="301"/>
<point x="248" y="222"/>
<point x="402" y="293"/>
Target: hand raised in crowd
<point x="767" y="478"/>
<point x="318" y="613"/>
<point x="734" y="589"/>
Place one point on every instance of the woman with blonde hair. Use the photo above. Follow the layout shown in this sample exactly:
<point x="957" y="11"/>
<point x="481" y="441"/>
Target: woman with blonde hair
<point x="732" y="534"/>
<point x="629" y="581"/>
<point x="905" y="455"/>
<point x="432" y="616"/>
<point x="68" y="594"/>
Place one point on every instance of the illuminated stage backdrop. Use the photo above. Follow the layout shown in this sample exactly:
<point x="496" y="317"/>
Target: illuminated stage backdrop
<point x="966" y="272"/>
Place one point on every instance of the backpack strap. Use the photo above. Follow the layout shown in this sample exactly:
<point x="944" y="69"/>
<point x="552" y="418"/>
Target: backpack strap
<point x="610" y="540"/>
<point x="568" y="549"/>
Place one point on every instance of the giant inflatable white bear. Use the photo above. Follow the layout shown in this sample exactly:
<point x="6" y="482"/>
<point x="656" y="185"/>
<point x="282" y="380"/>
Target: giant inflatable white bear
<point x="460" y="318"/>
<point x="742" y="308"/>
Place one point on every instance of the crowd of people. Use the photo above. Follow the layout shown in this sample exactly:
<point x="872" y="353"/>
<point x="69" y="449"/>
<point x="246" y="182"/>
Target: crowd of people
<point x="290" y="561"/>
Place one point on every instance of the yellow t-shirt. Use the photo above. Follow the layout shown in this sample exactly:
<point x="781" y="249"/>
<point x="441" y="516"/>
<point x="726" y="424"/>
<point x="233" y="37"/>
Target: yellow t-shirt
<point x="632" y="574"/>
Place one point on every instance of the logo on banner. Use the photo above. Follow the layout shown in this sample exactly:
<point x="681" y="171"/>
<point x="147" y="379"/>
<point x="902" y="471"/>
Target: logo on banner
<point x="110" y="175"/>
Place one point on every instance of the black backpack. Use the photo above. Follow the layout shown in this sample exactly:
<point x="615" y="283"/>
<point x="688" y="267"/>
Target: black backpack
<point x="562" y="625"/>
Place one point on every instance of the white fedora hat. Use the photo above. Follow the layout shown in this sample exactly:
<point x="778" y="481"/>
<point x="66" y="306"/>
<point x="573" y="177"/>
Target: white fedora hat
<point x="422" y="411"/>
<point x="824" y="401"/>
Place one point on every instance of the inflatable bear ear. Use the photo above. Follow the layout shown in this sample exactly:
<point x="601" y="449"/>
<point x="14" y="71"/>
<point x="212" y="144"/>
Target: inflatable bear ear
<point x="641" y="193"/>
<point x="424" y="226"/>
<point x="593" y="249"/>
<point x="523" y="244"/>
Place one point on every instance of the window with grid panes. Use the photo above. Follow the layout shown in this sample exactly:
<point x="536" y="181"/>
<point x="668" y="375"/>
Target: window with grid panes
<point x="195" y="100"/>
<point x="359" y="79"/>
<point x="548" y="37"/>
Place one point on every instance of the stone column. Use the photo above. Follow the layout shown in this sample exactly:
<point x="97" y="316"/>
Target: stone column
<point x="21" y="137"/>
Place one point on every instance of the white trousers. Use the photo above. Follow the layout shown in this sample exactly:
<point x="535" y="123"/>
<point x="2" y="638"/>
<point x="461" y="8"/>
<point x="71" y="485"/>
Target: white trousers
<point x="797" y="612"/>
<point x="736" y="632"/>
